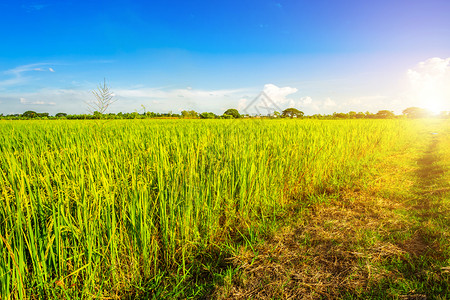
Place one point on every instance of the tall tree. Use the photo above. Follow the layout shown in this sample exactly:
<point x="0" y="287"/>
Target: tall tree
<point x="189" y="114"/>
<point x="385" y="114"/>
<point x="292" y="112"/>
<point x="415" y="112"/>
<point x="30" y="114"/>
<point x="232" y="112"/>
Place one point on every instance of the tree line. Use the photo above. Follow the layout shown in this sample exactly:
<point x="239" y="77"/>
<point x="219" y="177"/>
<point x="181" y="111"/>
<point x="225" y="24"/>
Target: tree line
<point x="411" y="112"/>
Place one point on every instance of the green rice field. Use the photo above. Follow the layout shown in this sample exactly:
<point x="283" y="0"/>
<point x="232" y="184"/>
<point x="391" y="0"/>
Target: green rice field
<point x="152" y="208"/>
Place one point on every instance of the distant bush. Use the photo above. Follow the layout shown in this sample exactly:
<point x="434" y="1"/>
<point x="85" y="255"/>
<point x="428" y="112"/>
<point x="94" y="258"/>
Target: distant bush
<point x="207" y="115"/>
<point x="189" y="114"/>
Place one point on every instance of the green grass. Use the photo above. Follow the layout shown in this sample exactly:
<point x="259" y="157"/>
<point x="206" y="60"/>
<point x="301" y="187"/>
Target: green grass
<point x="153" y="208"/>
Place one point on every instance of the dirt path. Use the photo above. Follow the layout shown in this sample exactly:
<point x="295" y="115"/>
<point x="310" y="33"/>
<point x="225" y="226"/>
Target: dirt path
<point x="430" y="173"/>
<point x="430" y="189"/>
<point x="390" y="240"/>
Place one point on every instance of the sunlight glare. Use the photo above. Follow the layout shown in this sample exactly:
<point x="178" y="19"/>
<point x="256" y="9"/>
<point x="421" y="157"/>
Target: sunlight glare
<point x="433" y="106"/>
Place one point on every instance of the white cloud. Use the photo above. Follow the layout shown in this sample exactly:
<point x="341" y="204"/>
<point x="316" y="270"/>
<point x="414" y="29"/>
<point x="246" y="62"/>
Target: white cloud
<point x="45" y="100"/>
<point x="271" y="98"/>
<point x="431" y="69"/>
<point x="430" y="84"/>
<point x="279" y="94"/>
<point x="24" y="101"/>
<point x="306" y="100"/>
<point x="242" y="104"/>
<point x="128" y="100"/>
<point x="161" y="93"/>
<point x="42" y="103"/>
<point x="307" y="105"/>
<point x="11" y="82"/>
<point x="310" y="106"/>
<point x="51" y="70"/>
<point x="329" y="103"/>
<point x="164" y="100"/>
<point x="280" y="98"/>
<point x="168" y="99"/>
<point x="365" y="101"/>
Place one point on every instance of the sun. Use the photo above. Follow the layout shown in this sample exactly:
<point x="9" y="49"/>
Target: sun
<point x="433" y="99"/>
<point x="435" y="107"/>
<point x="430" y="85"/>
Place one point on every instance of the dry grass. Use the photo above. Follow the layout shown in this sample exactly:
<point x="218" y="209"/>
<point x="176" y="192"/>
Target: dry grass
<point x="358" y="242"/>
<point x="321" y="259"/>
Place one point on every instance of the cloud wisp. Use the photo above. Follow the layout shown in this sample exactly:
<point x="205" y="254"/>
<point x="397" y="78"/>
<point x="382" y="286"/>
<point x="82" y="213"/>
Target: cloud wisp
<point x="17" y="75"/>
<point x="34" y="7"/>
<point x="17" y="71"/>
<point x="36" y="102"/>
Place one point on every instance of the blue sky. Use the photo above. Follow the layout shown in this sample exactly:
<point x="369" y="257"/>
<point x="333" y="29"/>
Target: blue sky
<point x="318" y="56"/>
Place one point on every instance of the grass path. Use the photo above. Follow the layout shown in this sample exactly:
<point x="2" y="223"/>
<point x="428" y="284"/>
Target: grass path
<point x="389" y="239"/>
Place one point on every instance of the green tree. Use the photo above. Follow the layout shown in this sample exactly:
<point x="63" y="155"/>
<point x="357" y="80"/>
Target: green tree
<point x="207" y="115"/>
<point x="30" y="114"/>
<point x="61" y="115"/>
<point x="415" y="112"/>
<point x="340" y="115"/>
<point x="43" y="115"/>
<point x="232" y="112"/>
<point x="360" y="115"/>
<point x="385" y="114"/>
<point x="189" y="114"/>
<point x="292" y="112"/>
<point x="369" y="115"/>
<point x="150" y="114"/>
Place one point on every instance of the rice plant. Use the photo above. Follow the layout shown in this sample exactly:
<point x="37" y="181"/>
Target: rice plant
<point x="102" y="209"/>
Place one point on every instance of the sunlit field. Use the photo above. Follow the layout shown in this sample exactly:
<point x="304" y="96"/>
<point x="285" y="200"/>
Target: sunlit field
<point x="131" y="208"/>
